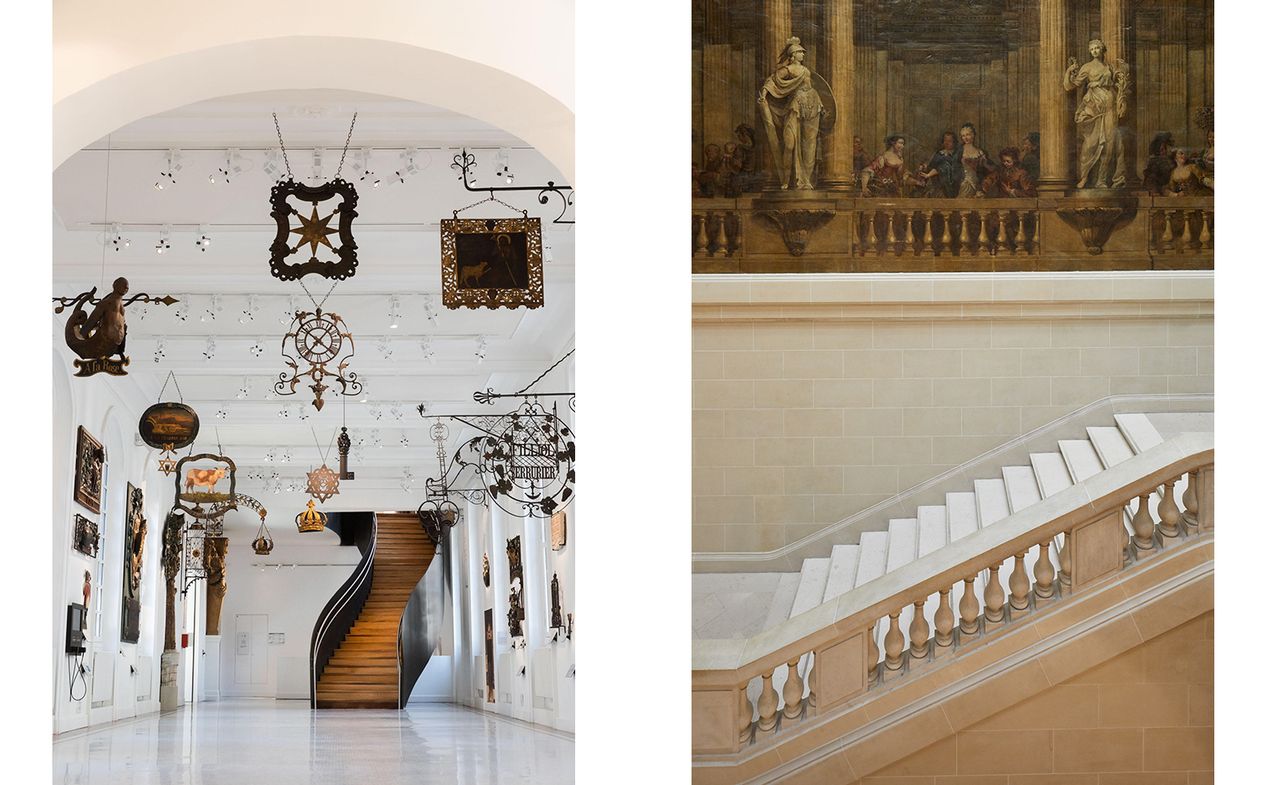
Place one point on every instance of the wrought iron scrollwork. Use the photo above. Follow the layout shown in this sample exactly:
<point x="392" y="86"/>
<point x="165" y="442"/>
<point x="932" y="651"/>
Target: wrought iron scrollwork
<point x="317" y="339"/>
<point x="464" y="162"/>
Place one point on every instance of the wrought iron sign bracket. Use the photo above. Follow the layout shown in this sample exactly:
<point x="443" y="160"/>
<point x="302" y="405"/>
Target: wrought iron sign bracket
<point x="465" y="162"/>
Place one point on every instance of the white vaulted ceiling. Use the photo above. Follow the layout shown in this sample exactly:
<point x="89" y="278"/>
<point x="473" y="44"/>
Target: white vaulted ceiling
<point x="399" y="254"/>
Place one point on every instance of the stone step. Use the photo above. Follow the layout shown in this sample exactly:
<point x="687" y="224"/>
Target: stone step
<point x="813" y="580"/>
<point x="844" y="567"/>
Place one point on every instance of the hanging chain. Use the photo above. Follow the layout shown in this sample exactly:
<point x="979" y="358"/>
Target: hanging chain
<point x="343" y="160"/>
<point x="324" y="454"/>
<point x="544" y="373"/>
<point x="319" y="305"/>
<point x="106" y="201"/>
<point x="490" y="198"/>
<point x="175" y="386"/>
<point x="283" y="152"/>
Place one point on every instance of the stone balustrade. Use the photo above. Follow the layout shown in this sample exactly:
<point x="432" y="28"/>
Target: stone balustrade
<point x="827" y="659"/>
<point x="831" y="232"/>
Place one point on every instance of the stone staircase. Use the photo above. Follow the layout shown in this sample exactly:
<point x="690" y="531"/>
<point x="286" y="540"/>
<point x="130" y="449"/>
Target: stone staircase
<point x="731" y="605"/>
<point x="363" y="671"/>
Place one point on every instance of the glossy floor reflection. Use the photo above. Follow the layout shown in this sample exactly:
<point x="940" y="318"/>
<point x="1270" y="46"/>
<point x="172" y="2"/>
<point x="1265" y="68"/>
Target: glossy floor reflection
<point x="252" y="742"/>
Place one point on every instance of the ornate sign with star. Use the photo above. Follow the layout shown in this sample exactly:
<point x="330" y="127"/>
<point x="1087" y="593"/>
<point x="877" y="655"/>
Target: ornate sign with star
<point x="306" y="235"/>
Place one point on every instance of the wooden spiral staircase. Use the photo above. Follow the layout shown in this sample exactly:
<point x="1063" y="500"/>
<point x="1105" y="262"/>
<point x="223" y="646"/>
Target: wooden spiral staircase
<point x="363" y="671"/>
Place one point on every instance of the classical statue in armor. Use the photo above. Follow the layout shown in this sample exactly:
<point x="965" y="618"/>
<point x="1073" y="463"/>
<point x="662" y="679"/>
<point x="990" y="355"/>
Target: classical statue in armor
<point x="792" y="111"/>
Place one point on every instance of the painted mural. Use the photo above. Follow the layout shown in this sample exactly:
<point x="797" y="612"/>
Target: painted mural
<point x="914" y="135"/>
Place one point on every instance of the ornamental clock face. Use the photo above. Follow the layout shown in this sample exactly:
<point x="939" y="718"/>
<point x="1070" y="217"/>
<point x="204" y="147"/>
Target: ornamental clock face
<point x="318" y="340"/>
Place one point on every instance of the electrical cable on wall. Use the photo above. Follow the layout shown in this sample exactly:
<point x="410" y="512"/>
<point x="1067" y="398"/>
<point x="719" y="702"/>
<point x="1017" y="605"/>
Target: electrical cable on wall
<point x="75" y="670"/>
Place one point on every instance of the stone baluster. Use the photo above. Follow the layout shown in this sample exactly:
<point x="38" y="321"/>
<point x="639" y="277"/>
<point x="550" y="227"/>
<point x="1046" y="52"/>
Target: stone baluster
<point x="1206" y="237"/>
<point x="919" y="633"/>
<point x="792" y="691"/>
<point x="744" y="715"/>
<point x="1168" y="511"/>
<point x="944" y="621"/>
<point x="1064" y="561"/>
<point x="1019" y="586"/>
<point x="767" y="703"/>
<point x="1144" y="527"/>
<point x="872" y="241"/>
<point x="873" y="654"/>
<point x="946" y="232"/>
<point x="737" y="235"/>
<point x="964" y="232"/>
<point x="1191" y="503"/>
<point x="1166" y="237"/>
<point x="928" y="230"/>
<point x="722" y="237"/>
<point x="857" y="229"/>
<point x="1020" y="239"/>
<point x="968" y="610"/>
<point x="1044" y="573"/>
<point x="1035" y="232"/>
<point x="911" y="233"/>
<point x="1002" y="231"/>
<point x="891" y="241"/>
<point x="813" y="680"/>
<point x="994" y="596"/>
<point x="893" y="644"/>
<point x="1185" y="244"/>
<point x="984" y="239"/>
<point x="700" y="240"/>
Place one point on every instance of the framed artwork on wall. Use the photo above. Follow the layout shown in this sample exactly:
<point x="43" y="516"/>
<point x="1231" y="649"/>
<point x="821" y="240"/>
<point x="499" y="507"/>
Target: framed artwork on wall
<point x="491" y="262"/>
<point x="559" y="531"/>
<point x="90" y="458"/>
<point x="135" y="537"/>
<point x="85" y="536"/>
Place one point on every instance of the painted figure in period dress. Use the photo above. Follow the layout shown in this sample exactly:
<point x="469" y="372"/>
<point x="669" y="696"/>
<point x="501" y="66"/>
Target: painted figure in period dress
<point x="1103" y="102"/>
<point x="792" y="111"/>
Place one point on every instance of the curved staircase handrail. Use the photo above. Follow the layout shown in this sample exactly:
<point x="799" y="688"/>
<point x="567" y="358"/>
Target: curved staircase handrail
<point x="346" y="603"/>
<point x="790" y="557"/>
<point x="423" y="619"/>
<point x="729" y="663"/>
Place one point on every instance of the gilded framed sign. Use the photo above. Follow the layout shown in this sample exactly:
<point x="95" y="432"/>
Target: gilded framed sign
<point x="491" y="262"/>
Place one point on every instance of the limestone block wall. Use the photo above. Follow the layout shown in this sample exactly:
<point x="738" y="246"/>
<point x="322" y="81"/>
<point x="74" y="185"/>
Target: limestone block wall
<point x="1145" y="716"/>
<point x="817" y="396"/>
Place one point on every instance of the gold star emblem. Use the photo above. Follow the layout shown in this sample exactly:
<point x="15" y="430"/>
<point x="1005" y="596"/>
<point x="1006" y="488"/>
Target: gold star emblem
<point x="314" y="230"/>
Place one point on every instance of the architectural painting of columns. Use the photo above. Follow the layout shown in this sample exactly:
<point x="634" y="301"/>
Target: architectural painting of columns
<point x="917" y="68"/>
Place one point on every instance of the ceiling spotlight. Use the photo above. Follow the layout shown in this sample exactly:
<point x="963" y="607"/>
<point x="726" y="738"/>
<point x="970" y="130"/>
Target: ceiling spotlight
<point x="158" y="354"/>
<point x="204" y="240"/>
<point x="429" y="309"/>
<point x="395" y="312"/>
<point x="286" y="456"/>
<point x="118" y="240"/>
<point x="250" y="308"/>
<point x="221" y="414"/>
<point x="210" y="348"/>
<point x="376" y="438"/>
<point x="428" y="351"/>
<point x="482" y="348"/>
<point x="243" y="392"/>
<point x="172" y="165"/>
<point x="184" y="309"/>
<point x="233" y="165"/>
<point x="384" y="346"/>
<point x="363" y="166"/>
<point x="288" y="316"/>
<point x="376" y="411"/>
<point x="397" y="412"/>
<point x="406" y="480"/>
<point x="163" y="245"/>
<point x="404" y="440"/>
<point x="255" y="348"/>
<point x="142" y="311"/>
<point x="283" y="413"/>
<point x="502" y="165"/>
<point x="271" y="165"/>
<point x="211" y="312"/>
<point x="408" y="164"/>
<point x="270" y="457"/>
<point x="317" y="163"/>
<point x="302" y="412"/>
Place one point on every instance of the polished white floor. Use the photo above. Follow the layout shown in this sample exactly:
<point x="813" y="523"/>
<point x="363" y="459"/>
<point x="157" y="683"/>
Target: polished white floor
<point x="265" y="742"/>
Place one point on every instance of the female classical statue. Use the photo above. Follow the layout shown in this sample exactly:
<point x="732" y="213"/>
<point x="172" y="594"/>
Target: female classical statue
<point x="1102" y="103"/>
<point x="792" y="111"/>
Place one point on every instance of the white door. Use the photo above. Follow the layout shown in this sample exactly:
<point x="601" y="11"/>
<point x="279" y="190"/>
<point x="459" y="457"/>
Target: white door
<point x="251" y="650"/>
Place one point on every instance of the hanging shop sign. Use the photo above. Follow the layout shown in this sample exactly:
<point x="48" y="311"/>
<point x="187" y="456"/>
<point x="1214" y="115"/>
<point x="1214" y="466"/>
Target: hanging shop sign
<point x="168" y="426"/>
<point x="314" y="340"/>
<point x="322" y="484"/>
<point x="98" y="336"/>
<point x="205" y="486"/>
<point x="311" y="519"/>
<point x="295" y="229"/>
<point x="491" y="262"/>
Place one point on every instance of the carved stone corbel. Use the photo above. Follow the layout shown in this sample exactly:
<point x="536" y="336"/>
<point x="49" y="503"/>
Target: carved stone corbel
<point x="1097" y="217"/>
<point x="795" y="225"/>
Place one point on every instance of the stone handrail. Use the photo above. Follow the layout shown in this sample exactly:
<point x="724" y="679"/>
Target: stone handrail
<point x="790" y="557"/>
<point x="830" y="655"/>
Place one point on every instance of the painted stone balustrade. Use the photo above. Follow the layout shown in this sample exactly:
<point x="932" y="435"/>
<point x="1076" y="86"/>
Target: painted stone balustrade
<point x="854" y="645"/>
<point x="839" y="233"/>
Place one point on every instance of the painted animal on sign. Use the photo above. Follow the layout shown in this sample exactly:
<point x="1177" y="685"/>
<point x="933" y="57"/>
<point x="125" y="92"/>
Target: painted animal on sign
<point x="204" y="478"/>
<point x="472" y="273"/>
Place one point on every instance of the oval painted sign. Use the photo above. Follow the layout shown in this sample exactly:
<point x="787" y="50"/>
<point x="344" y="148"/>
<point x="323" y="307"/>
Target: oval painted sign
<point x="169" y="425"/>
